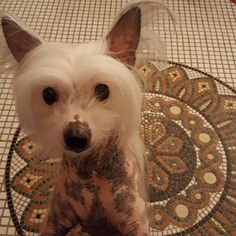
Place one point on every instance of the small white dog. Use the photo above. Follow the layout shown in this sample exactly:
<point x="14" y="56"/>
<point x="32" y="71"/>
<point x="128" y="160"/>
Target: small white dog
<point x="83" y="102"/>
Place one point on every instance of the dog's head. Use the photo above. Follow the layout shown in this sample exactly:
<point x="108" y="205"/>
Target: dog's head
<point x="72" y="96"/>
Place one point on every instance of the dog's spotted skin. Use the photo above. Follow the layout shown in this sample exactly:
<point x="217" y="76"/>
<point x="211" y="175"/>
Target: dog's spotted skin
<point x="103" y="191"/>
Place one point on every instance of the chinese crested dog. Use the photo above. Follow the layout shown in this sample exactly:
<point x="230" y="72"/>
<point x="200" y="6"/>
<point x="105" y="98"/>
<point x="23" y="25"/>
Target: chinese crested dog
<point x="83" y="102"/>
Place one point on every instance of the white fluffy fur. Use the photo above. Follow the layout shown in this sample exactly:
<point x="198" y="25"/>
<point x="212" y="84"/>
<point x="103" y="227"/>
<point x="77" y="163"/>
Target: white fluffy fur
<point x="74" y="70"/>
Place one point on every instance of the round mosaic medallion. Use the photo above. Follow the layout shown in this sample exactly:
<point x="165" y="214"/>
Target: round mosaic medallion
<point x="188" y="127"/>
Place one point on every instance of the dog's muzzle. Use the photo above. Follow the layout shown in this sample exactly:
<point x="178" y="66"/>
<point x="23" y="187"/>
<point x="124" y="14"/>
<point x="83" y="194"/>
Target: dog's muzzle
<point x="77" y="136"/>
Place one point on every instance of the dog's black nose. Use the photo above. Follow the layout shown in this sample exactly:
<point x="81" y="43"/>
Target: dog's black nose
<point x="77" y="136"/>
<point x="78" y="141"/>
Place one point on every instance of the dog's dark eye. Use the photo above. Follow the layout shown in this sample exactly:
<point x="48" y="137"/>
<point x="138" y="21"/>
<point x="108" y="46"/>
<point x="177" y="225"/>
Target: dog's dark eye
<point x="101" y="92"/>
<point x="50" y="95"/>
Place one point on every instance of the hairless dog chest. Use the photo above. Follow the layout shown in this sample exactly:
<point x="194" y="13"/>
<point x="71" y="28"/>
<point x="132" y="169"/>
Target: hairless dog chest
<point x="103" y="191"/>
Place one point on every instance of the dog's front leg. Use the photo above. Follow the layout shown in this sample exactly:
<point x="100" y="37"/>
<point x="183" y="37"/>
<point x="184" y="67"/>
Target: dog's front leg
<point x="130" y="208"/>
<point x="63" y="213"/>
<point x="123" y="194"/>
<point x="61" y="217"/>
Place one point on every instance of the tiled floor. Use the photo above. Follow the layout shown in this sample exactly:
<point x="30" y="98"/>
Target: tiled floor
<point x="205" y="39"/>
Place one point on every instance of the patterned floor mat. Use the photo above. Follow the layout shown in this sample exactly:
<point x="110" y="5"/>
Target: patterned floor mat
<point x="188" y="126"/>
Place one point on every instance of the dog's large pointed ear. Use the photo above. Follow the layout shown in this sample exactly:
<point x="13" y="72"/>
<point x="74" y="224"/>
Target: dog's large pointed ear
<point x="19" y="39"/>
<point x="123" y="38"/>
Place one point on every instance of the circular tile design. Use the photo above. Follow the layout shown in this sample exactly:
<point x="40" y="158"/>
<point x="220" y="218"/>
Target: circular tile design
<point x="171" y="154"/>
<point x="210" y="178"/>
<point x="188" y="127"/>
<point x="182" y="211"/>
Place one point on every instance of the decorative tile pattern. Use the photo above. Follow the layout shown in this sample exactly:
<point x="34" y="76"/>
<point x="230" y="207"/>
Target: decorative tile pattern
<point x="205" y="39"/>
<point x="190" y="150"/>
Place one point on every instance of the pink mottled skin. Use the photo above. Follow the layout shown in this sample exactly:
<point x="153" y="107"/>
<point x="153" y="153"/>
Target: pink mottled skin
<point x="107" y="199"/>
